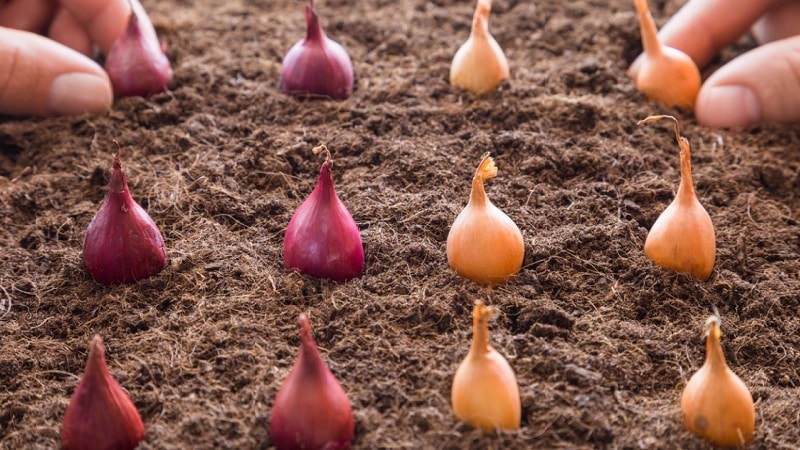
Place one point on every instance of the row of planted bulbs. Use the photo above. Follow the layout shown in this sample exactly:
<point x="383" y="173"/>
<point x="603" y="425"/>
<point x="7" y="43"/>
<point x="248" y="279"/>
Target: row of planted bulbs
<point x="312" y="411"/>
<point x="318" y="66"/>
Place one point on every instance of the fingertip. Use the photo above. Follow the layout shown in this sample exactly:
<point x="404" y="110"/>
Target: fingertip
<point x="78" y="93"/>
<point x="42" y="78"/>
<point x="756" y="87"/>
<point x="723" y="106"/>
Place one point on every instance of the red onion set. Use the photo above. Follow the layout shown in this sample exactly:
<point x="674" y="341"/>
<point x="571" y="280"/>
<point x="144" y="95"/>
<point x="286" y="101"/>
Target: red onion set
<point x="311" y="410"/>
<point x="100" y="415"/>
<point x="322" y="239"/>
<point x="136" y="63"/>
<point x="317" y="65"/>
<point x="122" y="245"/>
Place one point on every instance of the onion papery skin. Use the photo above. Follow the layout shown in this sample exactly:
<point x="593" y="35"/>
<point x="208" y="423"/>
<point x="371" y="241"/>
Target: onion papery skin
<point x="485" y="393"/>
<point x="100" y="415"/>
<point x="136" y="63"/>
<point x="675" y="243"/>
<point x="484" y="245"/>
<point x="311" y="410"/>
<point x="673" y="80"/>
<point x="122" y="245"/>
<point x="479" y="65"/>
<point x="322" y="239"/>
<point x="716" y="403"/>
<point x="317" y="65"/>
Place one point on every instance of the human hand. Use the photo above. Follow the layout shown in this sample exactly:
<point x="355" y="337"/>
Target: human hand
<point x="762" y="85"/>
<point x="52" y="73"/>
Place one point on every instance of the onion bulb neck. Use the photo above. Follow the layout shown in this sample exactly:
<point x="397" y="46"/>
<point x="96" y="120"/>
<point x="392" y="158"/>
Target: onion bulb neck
<point x="118" y="184"/>
<point x="480" y="329"/>
<point x="314" y="33"/>
<point x="480" y="20"/>
<point x="486" y="170"/>
<point x="309" y="356"/>
<point x="325" y="183"/>
<point x="715" y="358"/>
<point x="647" y="27"/>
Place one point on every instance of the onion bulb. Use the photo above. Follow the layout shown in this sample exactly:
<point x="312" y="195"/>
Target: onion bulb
<point x="485" y="392"/>
<point x="484" y="244"/>
<point x="666" y="75"/>
<point x="317" y="65"/>
<point x="682" y="238"/>
<point x="122" y="245"/>
<point x="311" y="409"/>
<point x="136" y="63"/>
<point x="716" y="403"/>
<point x="100" y="415"/>
<point x="322" y="239"/>
<point x="480" y="64"/>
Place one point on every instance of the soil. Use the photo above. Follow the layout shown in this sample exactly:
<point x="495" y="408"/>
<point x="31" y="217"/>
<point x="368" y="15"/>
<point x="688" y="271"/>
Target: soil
<point x="602" y="340"/>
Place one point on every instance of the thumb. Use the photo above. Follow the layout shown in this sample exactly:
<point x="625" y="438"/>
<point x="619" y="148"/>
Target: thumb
<point x="762" y="85"/>
<point x="40" y="77"/>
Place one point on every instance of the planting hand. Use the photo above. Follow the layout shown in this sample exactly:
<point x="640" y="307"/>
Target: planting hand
<point x="52" y="73"/>
<point x="762" y="85"/>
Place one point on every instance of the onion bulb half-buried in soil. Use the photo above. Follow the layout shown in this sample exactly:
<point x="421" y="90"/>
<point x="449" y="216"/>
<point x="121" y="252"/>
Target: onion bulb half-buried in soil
<point x="716" y="403"/>
<point x="100" y="415"/>
<point x="479" y="64"/>
<point x="122" y="245"/>
<point x="485" y="392"/>
<point x="317" y="65"/>
<point x="322" y="239"/>
<point x="136" y="63"/>
<point x="484" y="245"/>
<point x="311" y="410"/>
<point x="682" y="238"/>
<point x="665" y="74"/>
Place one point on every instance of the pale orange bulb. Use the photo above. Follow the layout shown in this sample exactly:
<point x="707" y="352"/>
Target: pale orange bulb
<point x="716" y="403"/>
<point x="484" y="245"/>
<point x="485" y="392"/>
<point x="666" y="75"/>
<point x="479" y="64"/>
<point x="683" y="238"/>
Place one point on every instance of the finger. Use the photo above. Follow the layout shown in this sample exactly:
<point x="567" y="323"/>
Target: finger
<point x="66" y="30"/>
<point x="41" y="77"/>
<point x="762" y="85"/>
<point x="703" y="27"/>
<point x="781" y="22"/>
<point x="28" y="15"/>
<point x="105" y="20"/>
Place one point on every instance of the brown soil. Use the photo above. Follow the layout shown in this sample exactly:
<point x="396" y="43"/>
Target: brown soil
<point x="602" y="340"/>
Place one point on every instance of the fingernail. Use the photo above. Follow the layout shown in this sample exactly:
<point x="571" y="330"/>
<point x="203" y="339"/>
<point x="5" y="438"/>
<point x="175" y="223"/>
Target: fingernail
<point x="78" y="93"/>
<point x="731" y="106"/>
